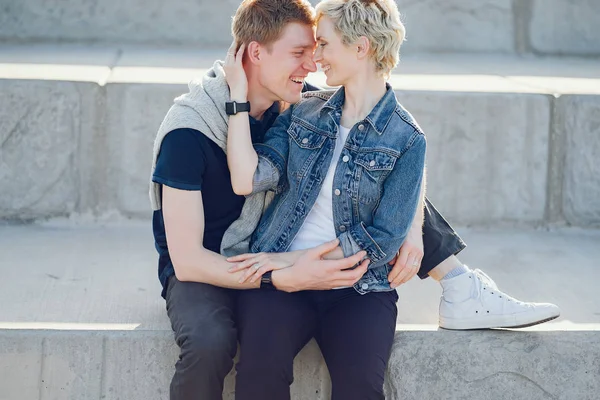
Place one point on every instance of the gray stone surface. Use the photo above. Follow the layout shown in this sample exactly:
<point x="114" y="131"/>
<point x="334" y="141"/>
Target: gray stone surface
<point x="20" y="366"/>
<point x="72" y="366"/>
<point x="492" y="26"/>
<point x="138" y="368"/>
<point x="79" y="276"/>
<point x="495" y="365"/>
<point x="76" y="149"/>
<point x="132" y="21"/>
<point x="487" y="153"/>
<point x="86" y="321"/>
<point x="578" y="117"/>
<point x="134" y="116"/>
<point x="138" y="365"/>
<point x="458" y="25"/>
<point x="40" y="129"/>
<point x="565" y="27"/>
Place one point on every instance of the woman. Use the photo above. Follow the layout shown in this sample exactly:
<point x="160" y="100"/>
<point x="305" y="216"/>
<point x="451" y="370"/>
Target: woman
<point x="345" y="165"/>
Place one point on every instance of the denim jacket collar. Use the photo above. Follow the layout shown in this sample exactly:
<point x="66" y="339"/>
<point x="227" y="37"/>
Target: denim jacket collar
<point x="378" y="118"/>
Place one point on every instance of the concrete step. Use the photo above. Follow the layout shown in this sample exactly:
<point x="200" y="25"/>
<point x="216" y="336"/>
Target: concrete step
<point x="543" y="27"/>
<point x="511" y="140"/>
<point x="84" y="320"/>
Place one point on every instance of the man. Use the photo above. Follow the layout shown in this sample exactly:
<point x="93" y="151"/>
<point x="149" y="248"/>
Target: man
<point x="196" y="209"/>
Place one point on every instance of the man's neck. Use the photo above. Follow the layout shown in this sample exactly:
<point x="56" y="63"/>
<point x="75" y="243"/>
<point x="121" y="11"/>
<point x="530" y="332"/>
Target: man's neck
<point x="259" y="98"/>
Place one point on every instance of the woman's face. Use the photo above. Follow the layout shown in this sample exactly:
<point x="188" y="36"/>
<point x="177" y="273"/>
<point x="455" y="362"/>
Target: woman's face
<point x="339" y="62"/>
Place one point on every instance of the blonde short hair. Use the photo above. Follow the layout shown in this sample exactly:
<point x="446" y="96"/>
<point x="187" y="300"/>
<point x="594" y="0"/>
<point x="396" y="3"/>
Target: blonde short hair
<point x="263" y="21"/>
<point x="377" y="20"/>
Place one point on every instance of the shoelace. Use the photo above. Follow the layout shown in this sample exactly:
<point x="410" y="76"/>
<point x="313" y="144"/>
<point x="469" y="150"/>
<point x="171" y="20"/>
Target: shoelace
<point x="484" y="282"/>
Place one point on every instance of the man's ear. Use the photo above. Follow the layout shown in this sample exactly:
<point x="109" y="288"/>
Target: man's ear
<point x="363" y="47"/>
<point x="254" y="52"/>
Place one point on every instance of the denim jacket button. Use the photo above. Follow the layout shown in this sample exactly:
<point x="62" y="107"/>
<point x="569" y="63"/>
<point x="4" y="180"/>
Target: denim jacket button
<point x="346" y="159"/>
<point x="364" y="286"/>
<point x="337" y="192"/>
<point x="372" y="163"/>
<point x="305" y="140"/>
<point x="343" y="228"/>
<point x="361" y="127"/>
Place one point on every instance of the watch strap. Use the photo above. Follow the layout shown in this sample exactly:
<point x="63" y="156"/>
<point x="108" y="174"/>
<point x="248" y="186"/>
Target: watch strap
<point x="266" y="282"/>
<point x="233" y="107"/>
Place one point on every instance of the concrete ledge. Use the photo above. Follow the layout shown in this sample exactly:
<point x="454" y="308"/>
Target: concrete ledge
<point x="84" y="320"/>
<point x="579" y="118"/>
<point x="42" y="131"/>
<point x="138" y="365"/>
<point x="496" y="129"/>
<point x="565" y="27"/>
<point x="548" y="27"/>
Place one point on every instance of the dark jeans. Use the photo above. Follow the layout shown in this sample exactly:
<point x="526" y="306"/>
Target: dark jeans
<point x="355" y="333"/>
<point x="440" y="241"/>
<point x="202" y="317"/>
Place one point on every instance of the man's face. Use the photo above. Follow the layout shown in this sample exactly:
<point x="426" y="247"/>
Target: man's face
<point x="284" y="68"/>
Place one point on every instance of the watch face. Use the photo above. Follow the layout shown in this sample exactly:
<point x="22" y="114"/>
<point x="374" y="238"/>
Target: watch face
<point x="229" y="108"/>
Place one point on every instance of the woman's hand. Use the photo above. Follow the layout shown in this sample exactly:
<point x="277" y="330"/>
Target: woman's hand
<point x="235" y="74"/>
<point x="408" y="261"/>
<point x="257" y="264"/>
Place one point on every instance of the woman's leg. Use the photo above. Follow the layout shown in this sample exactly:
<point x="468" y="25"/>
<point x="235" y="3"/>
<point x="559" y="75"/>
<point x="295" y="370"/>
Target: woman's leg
<point x="355" y="334"/>
<point x="273" y="327"/>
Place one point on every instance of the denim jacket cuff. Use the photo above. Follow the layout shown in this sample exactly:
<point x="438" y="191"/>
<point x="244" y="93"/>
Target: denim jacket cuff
<point x="356" y="239"/>
<point x="269" y="170"/>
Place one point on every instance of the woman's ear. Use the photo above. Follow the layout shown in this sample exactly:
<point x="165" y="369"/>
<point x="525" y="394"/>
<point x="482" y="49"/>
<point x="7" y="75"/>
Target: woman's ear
<point x="254" y="50"/>
<point x="363" y="47"/>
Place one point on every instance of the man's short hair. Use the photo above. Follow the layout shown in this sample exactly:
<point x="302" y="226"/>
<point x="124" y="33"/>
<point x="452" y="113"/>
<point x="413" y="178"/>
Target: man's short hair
<point x="377" y="20"/>
<point x="263" y="21"/>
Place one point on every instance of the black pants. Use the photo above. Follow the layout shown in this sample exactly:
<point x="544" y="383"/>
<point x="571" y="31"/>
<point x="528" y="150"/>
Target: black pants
<point x="355" y="333"/>
<point x="203" y="319"/>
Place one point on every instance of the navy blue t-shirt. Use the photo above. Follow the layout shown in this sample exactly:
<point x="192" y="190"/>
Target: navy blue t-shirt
<point x="188" y="160"/>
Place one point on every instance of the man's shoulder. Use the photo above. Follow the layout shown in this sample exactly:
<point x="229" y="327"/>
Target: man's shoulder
<point x="186" y="137"/>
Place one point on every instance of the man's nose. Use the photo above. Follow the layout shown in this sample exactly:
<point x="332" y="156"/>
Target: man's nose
<point x="310" y="65"/>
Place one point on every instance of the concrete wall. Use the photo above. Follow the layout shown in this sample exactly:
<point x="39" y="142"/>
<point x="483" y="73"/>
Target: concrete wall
<point x="77" y="148"/>
<point x="487" y="154"/>
<point x="138" y="365"/>
<point x="507" y="26"/>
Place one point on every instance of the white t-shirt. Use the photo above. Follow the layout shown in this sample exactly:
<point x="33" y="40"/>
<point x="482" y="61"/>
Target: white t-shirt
<point x="318" y="227"/>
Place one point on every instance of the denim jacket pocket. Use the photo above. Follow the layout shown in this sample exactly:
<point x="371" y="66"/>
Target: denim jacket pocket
<point x="306" y="138"/>
<point x="374" y="167"/>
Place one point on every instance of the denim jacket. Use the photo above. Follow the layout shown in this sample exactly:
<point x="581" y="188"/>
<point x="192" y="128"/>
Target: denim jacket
<point x="375" y="187"/>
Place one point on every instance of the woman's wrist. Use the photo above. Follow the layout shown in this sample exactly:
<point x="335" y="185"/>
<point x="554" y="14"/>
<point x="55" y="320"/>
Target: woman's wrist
<point x="239" y="96"/>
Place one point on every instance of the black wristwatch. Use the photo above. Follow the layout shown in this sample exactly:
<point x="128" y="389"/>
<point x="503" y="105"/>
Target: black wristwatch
<point x="233" y="107"/>
<point x="266" y="282"/>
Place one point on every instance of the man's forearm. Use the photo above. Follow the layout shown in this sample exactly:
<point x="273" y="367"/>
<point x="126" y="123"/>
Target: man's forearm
<point x="206" y="266"/>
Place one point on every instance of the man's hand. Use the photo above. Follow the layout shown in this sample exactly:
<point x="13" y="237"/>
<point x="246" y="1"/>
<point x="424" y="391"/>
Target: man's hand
<point x="408" y="261"/>
<point x="312" y="272"/>
<point x="235" y="74"/>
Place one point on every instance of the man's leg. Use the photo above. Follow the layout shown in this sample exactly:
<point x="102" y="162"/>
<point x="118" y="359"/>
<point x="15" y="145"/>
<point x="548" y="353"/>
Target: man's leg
<point x="202" y="317"/>
<point x="355" y="334"/>
<point x="273" y="327"/>
<point x="470" y="299"/>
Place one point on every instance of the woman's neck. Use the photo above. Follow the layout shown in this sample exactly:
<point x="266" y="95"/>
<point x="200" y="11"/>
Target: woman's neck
<point x="362" y="95"/>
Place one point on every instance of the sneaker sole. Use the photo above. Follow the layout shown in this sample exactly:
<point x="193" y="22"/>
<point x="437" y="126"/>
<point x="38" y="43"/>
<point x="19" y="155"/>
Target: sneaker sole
<point x="465" y="325"/>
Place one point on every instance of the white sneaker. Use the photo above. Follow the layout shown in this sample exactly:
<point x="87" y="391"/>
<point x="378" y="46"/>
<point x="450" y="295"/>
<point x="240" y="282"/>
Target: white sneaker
<point x="472" y="301"/>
